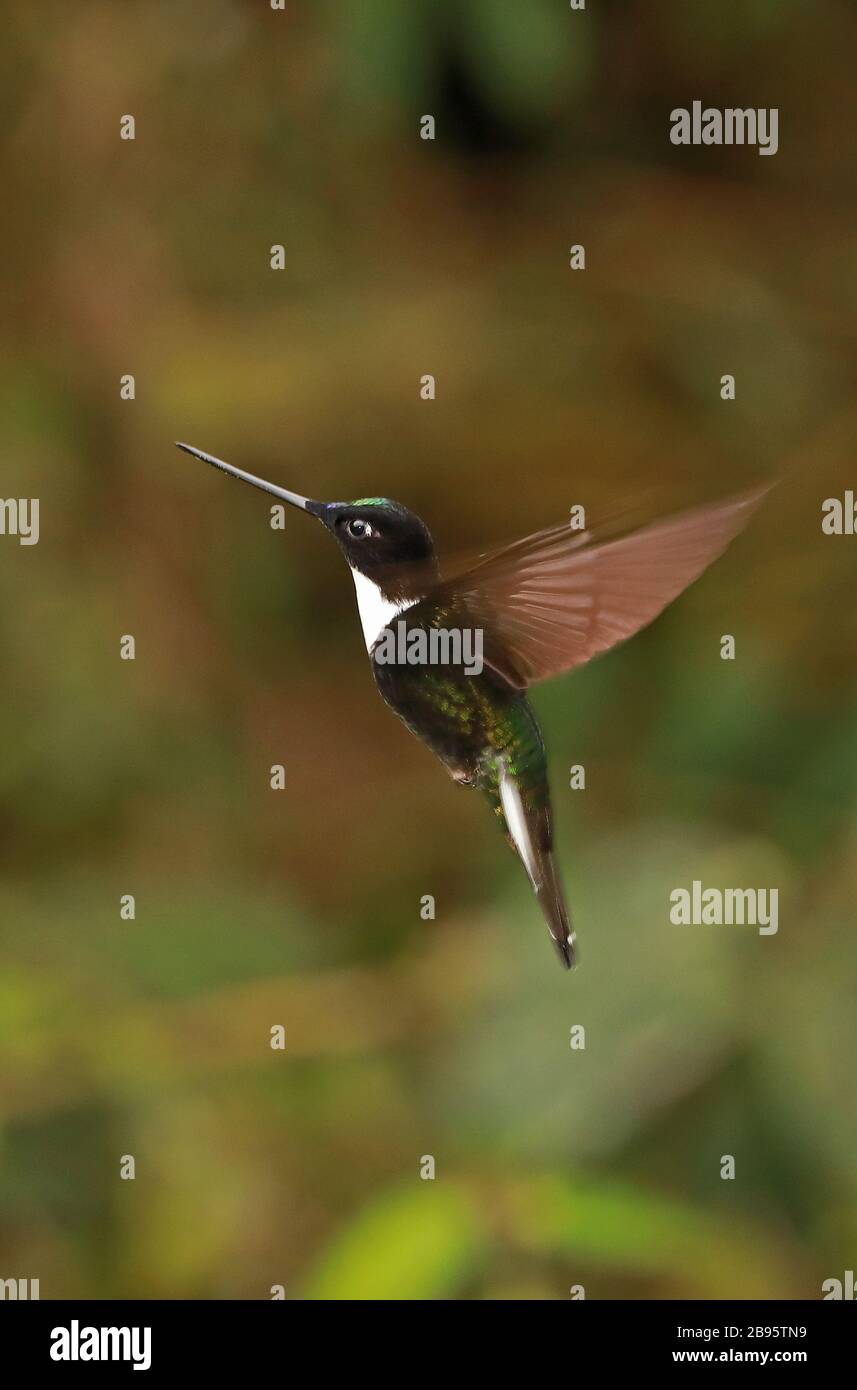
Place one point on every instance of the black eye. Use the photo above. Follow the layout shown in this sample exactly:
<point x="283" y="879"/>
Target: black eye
<point x="358" y="528"/>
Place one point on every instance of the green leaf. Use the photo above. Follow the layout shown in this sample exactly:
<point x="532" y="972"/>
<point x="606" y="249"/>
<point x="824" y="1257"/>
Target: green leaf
<point x="620" y="1226"/>
<point x="414" y="1243"/>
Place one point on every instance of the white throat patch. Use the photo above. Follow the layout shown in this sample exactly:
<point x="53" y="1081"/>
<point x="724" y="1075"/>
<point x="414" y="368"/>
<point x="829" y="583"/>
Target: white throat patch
<point x="376" y="612"/>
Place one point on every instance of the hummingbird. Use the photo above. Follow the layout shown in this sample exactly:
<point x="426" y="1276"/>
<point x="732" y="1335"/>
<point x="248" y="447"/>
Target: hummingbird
<point x="542" y="605"/>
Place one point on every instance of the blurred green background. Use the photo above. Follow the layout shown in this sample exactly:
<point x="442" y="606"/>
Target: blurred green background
<point x="254" y="908"/>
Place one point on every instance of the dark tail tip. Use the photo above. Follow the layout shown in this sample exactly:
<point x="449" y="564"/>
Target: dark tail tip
<point x="567" y="951"/>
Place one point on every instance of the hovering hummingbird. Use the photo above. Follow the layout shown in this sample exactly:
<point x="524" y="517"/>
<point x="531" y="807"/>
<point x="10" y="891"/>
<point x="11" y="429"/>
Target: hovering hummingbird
<point x="542" y="605"/>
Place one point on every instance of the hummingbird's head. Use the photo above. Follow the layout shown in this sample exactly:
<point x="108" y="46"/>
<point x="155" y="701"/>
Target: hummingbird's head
<point x="380" y="539"/>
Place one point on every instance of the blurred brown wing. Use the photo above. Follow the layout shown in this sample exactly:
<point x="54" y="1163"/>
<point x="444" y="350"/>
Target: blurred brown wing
<point x="554" y="600"/>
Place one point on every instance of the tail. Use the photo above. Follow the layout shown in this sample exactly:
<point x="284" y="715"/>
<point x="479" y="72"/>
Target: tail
<point x="552" y="903"/>
<point x="529" y="828"/>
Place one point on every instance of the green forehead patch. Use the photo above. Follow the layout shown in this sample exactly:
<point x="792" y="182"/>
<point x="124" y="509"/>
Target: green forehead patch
<point x="371" y="502"/>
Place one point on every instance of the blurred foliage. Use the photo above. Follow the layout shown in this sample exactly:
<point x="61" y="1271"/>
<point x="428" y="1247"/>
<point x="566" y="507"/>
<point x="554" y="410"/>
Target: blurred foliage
<point x="404" y="1037"/>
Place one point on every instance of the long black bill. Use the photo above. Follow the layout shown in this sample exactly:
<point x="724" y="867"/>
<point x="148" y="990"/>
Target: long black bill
<point x="305" y="503"/>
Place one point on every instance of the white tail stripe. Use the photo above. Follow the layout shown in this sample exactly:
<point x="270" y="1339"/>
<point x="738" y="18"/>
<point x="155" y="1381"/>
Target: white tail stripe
<point x="513" y="810"/>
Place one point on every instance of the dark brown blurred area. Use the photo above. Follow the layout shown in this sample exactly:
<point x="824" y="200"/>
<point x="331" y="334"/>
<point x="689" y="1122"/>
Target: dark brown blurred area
<point x="302" y="908"/>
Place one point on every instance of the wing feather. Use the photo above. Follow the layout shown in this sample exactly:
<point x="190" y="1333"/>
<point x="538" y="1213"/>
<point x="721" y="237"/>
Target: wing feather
<point x="554" y="600"/>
